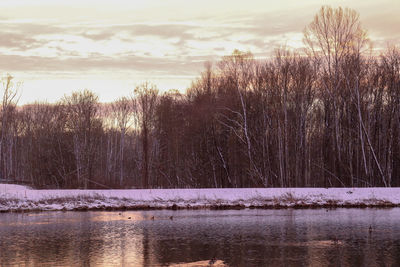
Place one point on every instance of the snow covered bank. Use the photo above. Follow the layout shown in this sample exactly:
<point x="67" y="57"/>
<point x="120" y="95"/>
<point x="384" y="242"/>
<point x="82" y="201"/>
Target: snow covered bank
<point x="20" y="198"/>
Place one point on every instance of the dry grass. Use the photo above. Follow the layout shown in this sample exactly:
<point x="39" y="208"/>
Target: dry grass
<point x="102" y="202"/>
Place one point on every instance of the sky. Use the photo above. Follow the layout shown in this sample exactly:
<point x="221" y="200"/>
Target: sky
<point x="55" y="47"/>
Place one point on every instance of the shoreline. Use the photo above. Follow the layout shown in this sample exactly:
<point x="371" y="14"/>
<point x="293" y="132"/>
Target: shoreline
<point x="222" y="207"/>
<point x="15" y="198"/>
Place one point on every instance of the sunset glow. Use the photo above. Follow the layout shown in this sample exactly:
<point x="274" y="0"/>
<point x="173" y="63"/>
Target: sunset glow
<point x="109" y="47"/>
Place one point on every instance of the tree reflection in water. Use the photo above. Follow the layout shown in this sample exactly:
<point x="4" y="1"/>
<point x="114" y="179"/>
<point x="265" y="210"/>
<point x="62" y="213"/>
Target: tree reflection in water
<point x="193" y="238"/>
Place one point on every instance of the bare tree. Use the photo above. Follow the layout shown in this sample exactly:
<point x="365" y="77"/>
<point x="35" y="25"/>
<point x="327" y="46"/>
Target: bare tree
<point x="8" y="104"/>
<point x="123" y="113"/>
<point x="238" y="69"/>
<point x="332" y="37"/>
<point x="146" y="96"/>
<point x="82" y="108"/>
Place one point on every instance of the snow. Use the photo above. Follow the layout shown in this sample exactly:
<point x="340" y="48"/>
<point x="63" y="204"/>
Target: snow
<point x="22" y="198"/>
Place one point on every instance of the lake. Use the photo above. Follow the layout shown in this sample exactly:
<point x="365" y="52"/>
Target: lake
<point x="285" y="237"/>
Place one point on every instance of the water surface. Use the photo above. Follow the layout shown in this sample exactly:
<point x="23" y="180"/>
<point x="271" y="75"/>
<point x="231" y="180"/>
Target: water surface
<point x="313" y="237"/>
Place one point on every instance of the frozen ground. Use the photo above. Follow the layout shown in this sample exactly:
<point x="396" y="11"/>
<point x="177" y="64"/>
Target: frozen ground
<point x="21" y="198"/>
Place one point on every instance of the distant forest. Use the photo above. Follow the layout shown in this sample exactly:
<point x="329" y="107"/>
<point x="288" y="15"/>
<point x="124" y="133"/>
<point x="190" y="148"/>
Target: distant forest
<point x="327" y="115"/>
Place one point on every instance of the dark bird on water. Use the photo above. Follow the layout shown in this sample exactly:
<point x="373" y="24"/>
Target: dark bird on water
<point x="370" y="229"/>
<point x="212" y="261"/>
<point x="152" y="218"/>
<point x="171" y="218"/>
<point x="129" y="218"/>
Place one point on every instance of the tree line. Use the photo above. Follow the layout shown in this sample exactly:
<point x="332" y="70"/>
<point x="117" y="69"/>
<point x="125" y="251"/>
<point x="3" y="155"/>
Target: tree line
<point x="324" y="116"/>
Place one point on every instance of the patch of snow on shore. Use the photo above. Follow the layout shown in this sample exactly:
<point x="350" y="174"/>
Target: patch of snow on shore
<point x="18" y="198"/>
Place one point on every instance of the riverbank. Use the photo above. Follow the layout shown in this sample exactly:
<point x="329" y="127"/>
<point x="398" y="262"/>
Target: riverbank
<point x="21" y="198"/>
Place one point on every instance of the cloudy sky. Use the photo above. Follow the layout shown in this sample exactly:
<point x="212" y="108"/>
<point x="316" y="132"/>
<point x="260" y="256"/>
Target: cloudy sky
<point x="56" y="47"/>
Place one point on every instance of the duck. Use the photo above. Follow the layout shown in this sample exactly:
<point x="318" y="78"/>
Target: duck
<point x="212" y="261"/>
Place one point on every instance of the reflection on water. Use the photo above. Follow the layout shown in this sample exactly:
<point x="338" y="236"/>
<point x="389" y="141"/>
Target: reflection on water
<point x="316" y="237"/>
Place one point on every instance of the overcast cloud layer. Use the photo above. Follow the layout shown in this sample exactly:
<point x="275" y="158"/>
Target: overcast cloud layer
<point x="167" y="42"/>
